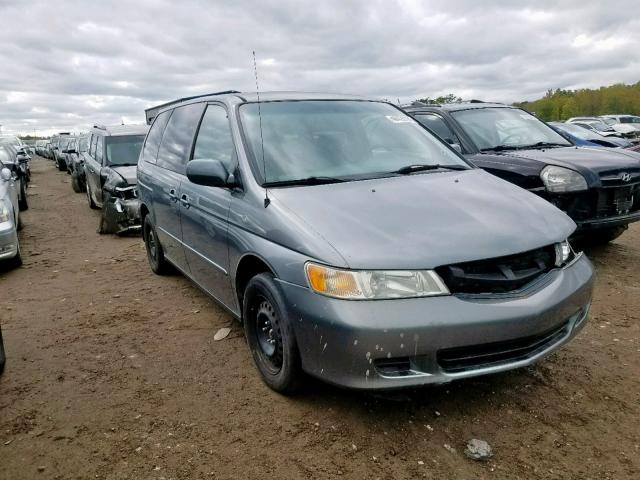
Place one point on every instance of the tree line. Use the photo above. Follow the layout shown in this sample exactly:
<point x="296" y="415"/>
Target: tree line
<point x="560" y="104"/>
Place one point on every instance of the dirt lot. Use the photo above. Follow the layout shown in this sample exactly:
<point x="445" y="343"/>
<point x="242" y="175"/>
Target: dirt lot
<point x="113" y="373"/>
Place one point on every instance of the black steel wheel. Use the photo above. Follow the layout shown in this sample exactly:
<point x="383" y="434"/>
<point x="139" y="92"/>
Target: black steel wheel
<point x="155" y="253"/>
<point x="270" y="335"/>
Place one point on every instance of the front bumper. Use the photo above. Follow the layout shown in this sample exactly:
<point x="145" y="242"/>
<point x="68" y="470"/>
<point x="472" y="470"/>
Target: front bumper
<point x="617" y="221"/>
<point x="411" y="342"/>
<point x="121" y="216"/>
<point x="8" y="241"/>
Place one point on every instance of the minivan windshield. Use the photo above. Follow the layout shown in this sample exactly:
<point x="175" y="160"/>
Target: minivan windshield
<point x="324" y="141"/>
<point x="500" y="128"/>
<point x="124" y="149"/>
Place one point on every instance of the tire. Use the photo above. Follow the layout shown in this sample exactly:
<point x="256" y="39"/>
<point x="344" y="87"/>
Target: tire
<point x="23" y="203"/>
<point x="270" y="335"/>
<point x="60" y="164"/>
<point x="604" y="236"/>
<point x="3" y="357"/>
<point x="155" y="253"/>
<point x="92" y="204"/>
<point x="16" y="261"/>
<point x="76" y="184"/>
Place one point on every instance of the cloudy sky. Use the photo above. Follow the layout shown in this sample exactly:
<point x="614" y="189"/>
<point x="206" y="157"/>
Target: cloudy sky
<point x="66" y="64"/>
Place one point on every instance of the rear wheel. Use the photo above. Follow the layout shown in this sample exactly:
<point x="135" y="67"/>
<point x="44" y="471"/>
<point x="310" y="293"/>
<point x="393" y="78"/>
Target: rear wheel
<point x="3" y="357"/>
<point x="270" y="335"/>
<point x="22" y="201"/>
<point x="60" y="164"/>
<point x="155" y="253"/>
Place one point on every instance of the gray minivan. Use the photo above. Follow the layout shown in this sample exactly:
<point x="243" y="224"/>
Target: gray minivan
<point x="353" y="244"/>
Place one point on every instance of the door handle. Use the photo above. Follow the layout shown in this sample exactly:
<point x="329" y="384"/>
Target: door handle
<point x="184" y="199"/>
<point x="172" y="195"/>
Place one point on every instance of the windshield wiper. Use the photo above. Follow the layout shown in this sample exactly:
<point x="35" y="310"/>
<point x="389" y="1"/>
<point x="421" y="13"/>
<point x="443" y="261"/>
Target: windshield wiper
<point x="423" y="167"/>
<point x="500" y="148"/>
<point x="544" y="144"/>
<point x="304" y="181"/>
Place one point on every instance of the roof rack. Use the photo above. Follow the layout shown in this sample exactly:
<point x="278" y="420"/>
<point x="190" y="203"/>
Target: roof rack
<point x="150" y="113"/>
<point x="476" y="101"/>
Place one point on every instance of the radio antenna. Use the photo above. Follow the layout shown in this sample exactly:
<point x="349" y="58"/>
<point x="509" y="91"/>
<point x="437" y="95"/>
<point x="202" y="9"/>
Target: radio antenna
<point x="264" y="163"/>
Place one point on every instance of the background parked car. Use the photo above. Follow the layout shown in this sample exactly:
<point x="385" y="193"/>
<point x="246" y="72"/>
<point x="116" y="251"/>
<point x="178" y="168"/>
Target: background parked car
<point x="600" y="126"/>
<point x="76" y="165"/>
<point x="110" y="173"/>
<point x="60" y="153"/>
<point x="68" y="152"/>
<point x="598" y="188"/>
<point x="18" y="163"/>
<point x="626" y="120"/>
<point x="592" y="137"/>
<point x="10" y="221"/>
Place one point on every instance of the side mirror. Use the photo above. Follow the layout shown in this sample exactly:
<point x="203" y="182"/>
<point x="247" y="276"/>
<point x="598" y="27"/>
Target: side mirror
<point x="5" y="174"/>
<point x="455" y="145"/>
<point x="209" y="172"/>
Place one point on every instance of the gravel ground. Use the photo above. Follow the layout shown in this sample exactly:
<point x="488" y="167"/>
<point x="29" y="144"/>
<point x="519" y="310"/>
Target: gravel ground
<point x="113" y="373"/>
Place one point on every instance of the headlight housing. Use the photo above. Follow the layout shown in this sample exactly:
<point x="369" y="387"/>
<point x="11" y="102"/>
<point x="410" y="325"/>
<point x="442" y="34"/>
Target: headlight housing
<point x="564" y="252"/>
<point x="5" y="211"/>
<point x="560" y="179"/>
<point x="373" y="284"/>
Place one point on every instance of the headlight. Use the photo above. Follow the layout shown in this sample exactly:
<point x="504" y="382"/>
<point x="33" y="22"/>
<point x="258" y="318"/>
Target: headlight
<point x="5" y="211"/>
<point x="374" y="284"/>
<point x="559" y="179"/>
<point x="563" y="253"/>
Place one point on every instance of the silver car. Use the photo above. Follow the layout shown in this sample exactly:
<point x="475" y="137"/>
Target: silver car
<point x="9" y="218"/>
<point x="354" y="244"/>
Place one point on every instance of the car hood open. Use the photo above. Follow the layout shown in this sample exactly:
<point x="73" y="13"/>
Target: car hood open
<point x="425" y="220"/>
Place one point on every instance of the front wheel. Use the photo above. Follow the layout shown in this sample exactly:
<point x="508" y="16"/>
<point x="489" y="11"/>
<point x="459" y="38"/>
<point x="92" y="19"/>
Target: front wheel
<point x="270" y="335"/>
<point x="92" y="204"/>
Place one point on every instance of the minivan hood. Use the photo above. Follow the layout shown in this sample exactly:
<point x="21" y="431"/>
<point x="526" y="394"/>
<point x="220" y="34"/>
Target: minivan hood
<point x="128" y="172"/>
<point x="425" y="220"/>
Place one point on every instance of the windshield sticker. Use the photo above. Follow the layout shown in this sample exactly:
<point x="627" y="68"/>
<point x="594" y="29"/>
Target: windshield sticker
<point x="398" y="119"/>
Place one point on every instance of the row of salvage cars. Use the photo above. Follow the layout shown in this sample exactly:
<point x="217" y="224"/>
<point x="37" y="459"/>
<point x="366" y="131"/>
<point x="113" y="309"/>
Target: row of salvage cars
<point x="365" y="244"/>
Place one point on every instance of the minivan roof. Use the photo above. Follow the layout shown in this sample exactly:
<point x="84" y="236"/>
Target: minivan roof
<point x="233" y="97"/>
<point x="119" y="130"/>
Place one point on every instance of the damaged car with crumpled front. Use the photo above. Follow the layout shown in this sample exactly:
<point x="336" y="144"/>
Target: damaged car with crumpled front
<point x="110" y="174"/>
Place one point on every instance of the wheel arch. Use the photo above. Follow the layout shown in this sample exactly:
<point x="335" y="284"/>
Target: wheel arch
<point x="249" y="265"/>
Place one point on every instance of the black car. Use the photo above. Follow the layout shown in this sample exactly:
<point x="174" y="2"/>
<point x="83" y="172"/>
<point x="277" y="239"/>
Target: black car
<point x="598" y="188"/>
<point x="110" y="173"/>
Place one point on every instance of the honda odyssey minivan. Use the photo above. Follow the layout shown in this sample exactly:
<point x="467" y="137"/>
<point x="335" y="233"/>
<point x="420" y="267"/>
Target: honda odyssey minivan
<point x="354" y="245"/>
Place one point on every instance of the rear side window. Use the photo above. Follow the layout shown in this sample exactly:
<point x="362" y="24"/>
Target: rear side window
<point x="176" y="141"/>
<point x="438" y="126"/>
<point x="152" y="143"/>
<point x="99" y="148"/>
<point x="214" y="139"/>
<point x="92" y="150"/>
